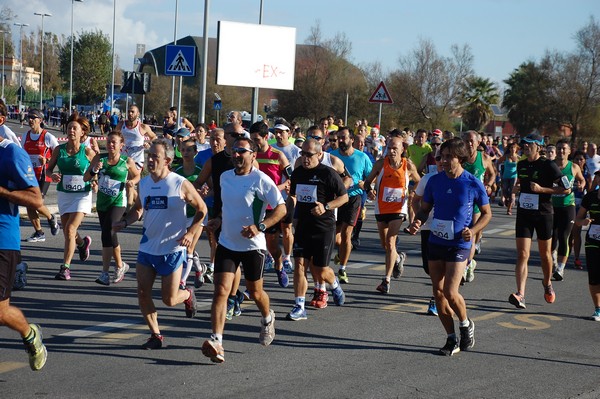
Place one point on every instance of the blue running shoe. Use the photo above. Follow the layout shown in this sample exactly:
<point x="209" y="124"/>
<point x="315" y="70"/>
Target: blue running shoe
<point x="282" y="278"/>
<point x="432" y="309"/>
<point x="230" y="307"/>
<point x="287" y="266"/>
<point x="338" y="296"/>
<point x="269" y="262"/>
<point x="297" y="313"/>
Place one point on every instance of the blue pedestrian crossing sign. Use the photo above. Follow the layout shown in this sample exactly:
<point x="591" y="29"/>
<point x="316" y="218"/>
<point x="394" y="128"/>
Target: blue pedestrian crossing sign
<point x="180" y="60"/>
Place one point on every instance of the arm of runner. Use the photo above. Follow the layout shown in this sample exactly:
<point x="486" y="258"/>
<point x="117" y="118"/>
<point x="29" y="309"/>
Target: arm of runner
<point x="413" y="173"/>
<point x="421" y="217"/>
<point x="192" y="197"/>
<point x="204" y="174"/>
<point x="134" y="214"/>
<point x="581" y="219"/>
<point x="490" y="173"/>
<point x="93" y="169"/>
<point x="373" y="175"/>
<point x="29" y="197"/>
<point x="134" y="174"/>
<point x="333" y="204"/>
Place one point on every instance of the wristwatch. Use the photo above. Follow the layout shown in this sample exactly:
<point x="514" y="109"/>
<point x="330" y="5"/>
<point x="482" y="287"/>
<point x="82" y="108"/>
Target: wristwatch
<point x="262" y="227"/>
<point x="327" y="208"/>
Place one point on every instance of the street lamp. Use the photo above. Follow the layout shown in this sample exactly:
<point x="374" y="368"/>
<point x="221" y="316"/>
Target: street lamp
<point x="112" y="76"/>
<point x="3" y="61"/>
<point x="20" y="25"/>
<point x="72" y="38"/>
<point x="42" y="69"/>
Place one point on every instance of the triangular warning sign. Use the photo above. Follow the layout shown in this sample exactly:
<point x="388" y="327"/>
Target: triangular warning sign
<point x="179" y="64"/>
<point x="381" y="95"/>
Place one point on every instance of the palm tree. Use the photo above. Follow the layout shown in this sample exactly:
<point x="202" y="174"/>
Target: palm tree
<point x="478" y="96"/>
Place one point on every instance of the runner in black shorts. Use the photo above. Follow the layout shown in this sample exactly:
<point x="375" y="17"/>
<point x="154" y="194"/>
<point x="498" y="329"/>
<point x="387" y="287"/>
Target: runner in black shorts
<point x="591" y="204"/>
<point x="536" y="177"/>
<point x="317" y="190"/>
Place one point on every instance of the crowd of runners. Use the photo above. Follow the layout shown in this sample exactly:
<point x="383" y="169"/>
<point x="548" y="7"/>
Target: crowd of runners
<point x="293" y="200"/>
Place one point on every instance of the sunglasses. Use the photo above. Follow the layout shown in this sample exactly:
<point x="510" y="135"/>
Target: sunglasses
<point x="236" y="135"/>
<point x="316" y="137"/>
<point x="332" y="140"/>
<point x="308" y="154"/>
<point x="438" y="158"/>
<point x="240" y="150"/>
<point x="435" y="144"/>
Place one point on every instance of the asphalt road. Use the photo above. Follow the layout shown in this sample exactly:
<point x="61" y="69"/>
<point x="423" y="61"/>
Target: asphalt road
<point x="375" y="346"/>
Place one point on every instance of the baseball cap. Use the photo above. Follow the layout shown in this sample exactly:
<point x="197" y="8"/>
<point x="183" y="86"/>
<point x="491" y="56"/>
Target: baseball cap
<point x="35" y="113"/>
<point x="533" y="138"/>
<point x="281" y="126"/>
<point x="437" y="132"/>
<point x="183" y="132"/>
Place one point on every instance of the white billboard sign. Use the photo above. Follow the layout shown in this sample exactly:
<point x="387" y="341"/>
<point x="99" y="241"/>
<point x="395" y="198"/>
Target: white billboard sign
<point x="252" y="55"/>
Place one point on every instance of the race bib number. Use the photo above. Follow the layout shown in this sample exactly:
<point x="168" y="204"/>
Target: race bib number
<point x="159" y="202"/>
<point x="73" y="183"/>
<point x="108" y="186"/>
<point x="393" y="194"/>
<point x="594" y="232"/>
<point x="306" y="193"/>
<point x="35" y="161"/>
<point x="529" y="201"/>
<point x="443" y="229"/>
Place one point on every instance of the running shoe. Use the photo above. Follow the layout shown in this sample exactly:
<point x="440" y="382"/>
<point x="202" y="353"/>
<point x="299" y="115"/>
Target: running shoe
<point x="154" y="342"/>
<point x="517" y="300"/>
<point x="450" y="348"/>
<point x="287" y="266"/>
<point x="120" y="273"/>
<point x="399" y="265"/>
<point x="201" y="269"/>
<point x="343" y="276"/>
<point x="38" y="236"/>
<point x="84" y="249"/>
<point x="182" y="285"/>
<point x="237" y="308"/>
<point x="321" y="300"/>
<point x="384" y="287"/>
<point x="355" y="242"/>
<point x="467" y="336"/>
<point x="54" y="226"/>
<point x="20" y="277"/>
<point x="596" y="315"/>
<point x="267" y="331"/>
<point x="339" y="297"/>
<point x="297" y="313"/>
<point x="478" y="248"/>
<point x="432" y="308"/>
<point x="63" y="274"/>
<point x="313" y="301"/>
<point x="559" y="274"/>
<point x="36" y="349"/>
<point x="213" y="349"/>
<point x="578" y="265"/>
<point x="247" y="296"/>
<point x="282" y="278"/>
<point x="336" y="259"/>
<point x="549" y="294"/>
<point x="190" y="304"/>
<point x="103" y="279"/>
<point x="230" y="306"/>
<point x="470" y="276"/>
<point x="269" y="262"/>
<point x="209" y="276"/>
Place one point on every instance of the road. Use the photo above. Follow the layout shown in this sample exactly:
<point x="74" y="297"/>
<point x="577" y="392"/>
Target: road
<point x="376" y="345"/>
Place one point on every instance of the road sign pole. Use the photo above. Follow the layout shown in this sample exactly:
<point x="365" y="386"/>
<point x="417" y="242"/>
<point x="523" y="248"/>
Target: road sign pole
<point x="380" y="107"/>
<point x="179" y="110"/>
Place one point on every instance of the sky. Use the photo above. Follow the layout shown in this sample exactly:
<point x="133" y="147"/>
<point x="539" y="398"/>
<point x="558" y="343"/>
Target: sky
<point x="502" y="34"/>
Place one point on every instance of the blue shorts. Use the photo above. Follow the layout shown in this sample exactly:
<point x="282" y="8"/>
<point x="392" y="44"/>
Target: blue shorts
<point x="448" y="254"/>
<point x="163" y="264"/>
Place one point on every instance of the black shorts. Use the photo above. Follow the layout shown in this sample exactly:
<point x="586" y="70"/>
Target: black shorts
<point x="289" y="216"/>
<point x="348" y="213"/>
<point x="8" y="267"/>
<point x="390" y="217"/>
<point x="276" y="228"/>
<point x="253" y="262"/>
<point x="315" y="246"/>
<point x="527" y="224"/>
<point x="592" y="261"/>
<point x="447" y="254"/>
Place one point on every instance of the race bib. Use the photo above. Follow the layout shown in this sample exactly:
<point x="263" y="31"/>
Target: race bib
<point x="306" y="193"/>
<point x="393" y="194"/>
<point x="594" y="232"/>
<point x="73" y="183"/>
<point x="443" y="229"/>
<point x="158" y="202"/>
<point x="35" y="161"/>
<point x="108" y="186"/>
<point x="529" y="201"/>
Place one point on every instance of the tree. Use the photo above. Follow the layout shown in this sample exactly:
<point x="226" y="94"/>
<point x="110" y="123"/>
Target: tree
<point x="477" y="97"/>
<point x="7" y="16"/>
<point x="431" y="84"/>
<point x="92" y="66"/>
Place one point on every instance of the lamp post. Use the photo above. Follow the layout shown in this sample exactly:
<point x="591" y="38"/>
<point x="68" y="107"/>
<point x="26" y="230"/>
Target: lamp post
<point x="3" y="62"/>
<point x="72" y="39"/>
<point x="41" y="14"/>
<point x="173" y="77"/>
<point x="20" y="25"/>
<point x="112" y="75"/>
